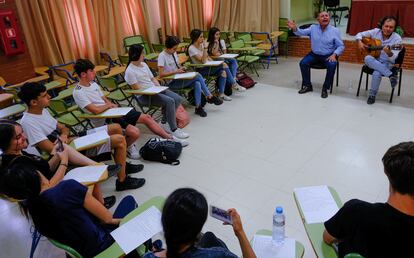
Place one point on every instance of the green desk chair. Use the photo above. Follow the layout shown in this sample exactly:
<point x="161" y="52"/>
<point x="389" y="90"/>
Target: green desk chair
<point x="315" y="231"/>
<point x="114" y="250"/>
<point x="116" y="92"/>
<point x="158" y="48"/>
<point x="353" y="255"/>
<point x="68" y="115"/>
<point x="112" y="62"/>
<point x="299" y="248"/>
<point x="123" y="59"/>
<point x="248" y="57"/>
<point x="268" y="44"/>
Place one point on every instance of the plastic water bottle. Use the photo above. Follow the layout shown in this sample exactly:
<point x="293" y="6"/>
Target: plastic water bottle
<point x="278" y="234"/>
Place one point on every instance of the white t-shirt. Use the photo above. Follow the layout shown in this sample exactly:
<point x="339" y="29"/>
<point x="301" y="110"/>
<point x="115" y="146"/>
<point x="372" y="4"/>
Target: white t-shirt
<point x="140" y="75"/>
<point x="84" y="96"/>
<point x="167" y="61"/>
<point x="193" y="51"/>
<point x="38" y="127"/>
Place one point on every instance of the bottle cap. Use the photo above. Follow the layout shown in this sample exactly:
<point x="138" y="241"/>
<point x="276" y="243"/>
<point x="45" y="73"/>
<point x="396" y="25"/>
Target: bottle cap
<point x="279" y="209"/>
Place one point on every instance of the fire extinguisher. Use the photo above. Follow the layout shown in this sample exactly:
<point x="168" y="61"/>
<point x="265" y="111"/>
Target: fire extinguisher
<point x="11" y="40"/>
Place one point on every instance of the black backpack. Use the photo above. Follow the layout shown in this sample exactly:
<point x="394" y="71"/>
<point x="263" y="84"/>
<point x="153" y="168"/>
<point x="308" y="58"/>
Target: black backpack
<point x="164" y="151"/>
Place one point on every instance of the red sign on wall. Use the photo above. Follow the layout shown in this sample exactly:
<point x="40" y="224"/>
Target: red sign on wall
<point x="11" y="41"/>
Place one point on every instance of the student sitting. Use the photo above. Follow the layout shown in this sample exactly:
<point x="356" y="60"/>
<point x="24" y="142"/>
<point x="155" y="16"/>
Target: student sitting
<point x="66" y="212"/>
<point x="138" y="75"/>
<point x="198" y="54"/>
<point x="183" y="216"/>
<point x="89" y="97"/>
<point x="380" y="229"/>
<point x="168" y="65"/>
<point x="42" y="131"/>
<point x="13" y="142"/>
<point x="216" y="48"/>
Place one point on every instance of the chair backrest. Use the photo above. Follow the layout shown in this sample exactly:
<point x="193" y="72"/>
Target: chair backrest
<point x="331" y="3"/>
<point x="136" y="39"/>
<point x="153" y="66"/>
<point x="263" y="36"/>
<point x="158" y="48"/>
<point x="186" y="40"/>
<point x="237" y="43"/>
<point x="283" y="23"/>
<point x="108" y="83"/>
<point x="107" y="58"/>
<point x="69" y="250"/>
<point x="224" y="35"/>
<point x="65" y="71"/>
<point x="57" y="106"/>
<point x="238" y="34"/>
<point x="245" y="37"/>
<point x="353" y="255"/>
<point x="123" y="59"/>
<point x="400" y="58"/>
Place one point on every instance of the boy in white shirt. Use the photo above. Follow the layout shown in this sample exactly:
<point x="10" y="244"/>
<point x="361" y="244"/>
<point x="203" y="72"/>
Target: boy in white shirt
<point x="89" y="97"/>
<point x="42" y="131"/>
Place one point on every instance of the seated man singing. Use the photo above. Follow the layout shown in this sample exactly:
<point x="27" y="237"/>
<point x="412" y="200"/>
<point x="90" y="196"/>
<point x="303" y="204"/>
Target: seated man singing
<point x="326" y="44"/>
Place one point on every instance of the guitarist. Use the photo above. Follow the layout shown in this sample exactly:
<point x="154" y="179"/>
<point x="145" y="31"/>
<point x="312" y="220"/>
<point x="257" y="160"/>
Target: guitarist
<point x="383" y="64"/>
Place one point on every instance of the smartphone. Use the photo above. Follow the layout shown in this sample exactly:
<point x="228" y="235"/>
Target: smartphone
<point x="60" y="145"/>
<point x="220" y="214"/>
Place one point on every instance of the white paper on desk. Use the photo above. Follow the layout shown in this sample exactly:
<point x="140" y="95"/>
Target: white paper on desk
<point x="264" y="247"/>
<point x="86" y="174"/>
<point x="316" y="203"/>
<point x="184" y="75"/>
<point x="155" y="89"/>
<point x="101" y="135"/>
<point x="119" y="111"/>
<point x="229" y="55"/>
<point x="213" y="63"/>
<point x="138" y="230"/>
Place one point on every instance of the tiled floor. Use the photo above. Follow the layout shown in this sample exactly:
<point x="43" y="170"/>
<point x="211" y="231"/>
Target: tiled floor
<point x="251" y="152"/>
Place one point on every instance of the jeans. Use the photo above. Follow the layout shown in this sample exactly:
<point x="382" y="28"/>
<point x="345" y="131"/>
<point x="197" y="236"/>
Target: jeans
<point x="217" y="71"/>
<point x="197" y="83"/>
<point x="169" y="101"/>
<point x="126" y="205"/>
<point x="312" y="59"/>
<point x="380" y="69"/>
<point x="233" y="66"/>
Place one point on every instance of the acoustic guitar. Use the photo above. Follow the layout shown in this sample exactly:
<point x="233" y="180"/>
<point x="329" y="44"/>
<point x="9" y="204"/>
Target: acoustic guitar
<point x="375" y="46"/>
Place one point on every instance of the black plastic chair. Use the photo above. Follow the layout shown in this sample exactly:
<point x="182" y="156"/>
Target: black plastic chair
<point x="396" y="69"/>
<point x="321" y="66"/>
<point x="332" y="6"/>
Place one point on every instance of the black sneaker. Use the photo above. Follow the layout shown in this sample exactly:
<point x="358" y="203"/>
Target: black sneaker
<point x="394" y="80"/>
<point x="129" y="183"/>
<point x="214" y="100"/>
<point x="371" y="100"/>
<point x="113" y="170"/>
<point x="200" y="111"/>
<point x="133" y="168"/>
<point x="305" y="89"/>
<point x="109" y="201"/>
<point x="324" y="93"/>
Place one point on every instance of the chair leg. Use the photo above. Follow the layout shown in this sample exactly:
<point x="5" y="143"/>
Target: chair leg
<point x="366" y="83"/>
<point x="392" y="94"/>
<point x="359" y="84"/>
<point x="35" y="241"/>
<point x="399" y="82"/>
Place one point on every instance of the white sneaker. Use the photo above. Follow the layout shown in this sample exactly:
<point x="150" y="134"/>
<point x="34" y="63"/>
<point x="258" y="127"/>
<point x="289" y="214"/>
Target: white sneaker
<point x="184" y="143"/>
<point x="239" y="88"/>
<point x="133" y="152"/>
<point x="166" y="127"/>
<point x="225" y="97"/>
<point x="180" y="134"/>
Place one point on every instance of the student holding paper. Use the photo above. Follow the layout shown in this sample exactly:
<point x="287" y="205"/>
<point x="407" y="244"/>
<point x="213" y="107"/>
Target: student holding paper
<point x="183" y="217"/>
<point x="43" y="130"/>
<point x="89" y="97"/>
<point x="168" y="65"/>
<point x="198" y="55"/>
<point x="66" y="212"/>
<point x="380" y="229"/>
<point x="13" y="142"/>
<point x="217" y="47"/>
<point x="138" y="75"/>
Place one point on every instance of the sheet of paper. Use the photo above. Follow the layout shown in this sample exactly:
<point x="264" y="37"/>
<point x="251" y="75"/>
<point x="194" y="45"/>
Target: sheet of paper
<point x="155" y="89"/>
<point x="229" y="55"/>
<point x="264" y="247"/>
<point x="138" y="230"/>
<point x="213" y="63"/>
<point x="91" y="139"/>
<point x="184" y="75"/>
<point x="316" y="203"/>
<point x="119" y="111"/>
<point x="86" y="174"/>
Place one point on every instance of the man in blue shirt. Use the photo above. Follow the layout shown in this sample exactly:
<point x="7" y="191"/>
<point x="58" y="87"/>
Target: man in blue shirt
<point x="326" y="45"/>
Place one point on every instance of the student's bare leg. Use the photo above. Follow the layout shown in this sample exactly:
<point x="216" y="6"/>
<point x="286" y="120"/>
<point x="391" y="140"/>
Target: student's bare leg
<point x="131" y="134"/>
<point x="153" y="126"/>
<point x="77" y="158"/>
<point x="118" y="144"/>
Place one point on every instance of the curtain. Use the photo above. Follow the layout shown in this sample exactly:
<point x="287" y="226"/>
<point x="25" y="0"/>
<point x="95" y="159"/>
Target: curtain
<point x="245" y="15"/>
<point x="62" y="31"/>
